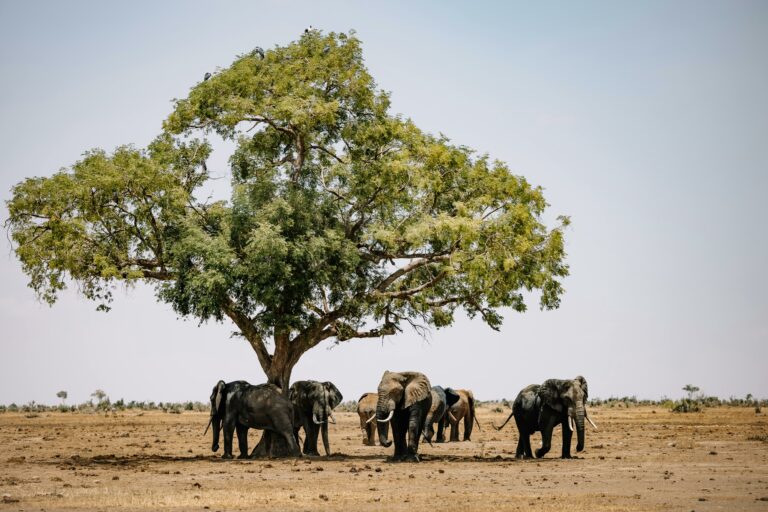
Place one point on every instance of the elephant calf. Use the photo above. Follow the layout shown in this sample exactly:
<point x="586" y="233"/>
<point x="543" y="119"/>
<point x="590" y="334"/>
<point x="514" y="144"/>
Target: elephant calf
<point x="366" y="409"/>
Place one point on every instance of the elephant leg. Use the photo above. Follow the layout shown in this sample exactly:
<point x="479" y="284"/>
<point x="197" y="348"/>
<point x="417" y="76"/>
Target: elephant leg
<point x="567" y="434"/>
<point x="415" y="424"/>
<point x="310" y="443"/>
<point x="468" y="426"/>
<point x="549" y="422"/>
<point x="293" y="446"/>
<point x="523" y="440"/>
<point x="310" y="437"/>
<point x="242" y="441"/>
<point x="324" y="432"/>
<point x="364" y="430"/>
<point x="441" y="431"/>
<point x="398" y="435"/>
<point x="229" y="430"/>
<point x="454" y="430"/>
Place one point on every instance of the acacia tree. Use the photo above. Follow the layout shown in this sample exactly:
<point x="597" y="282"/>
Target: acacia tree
<point x="345" y="221"/>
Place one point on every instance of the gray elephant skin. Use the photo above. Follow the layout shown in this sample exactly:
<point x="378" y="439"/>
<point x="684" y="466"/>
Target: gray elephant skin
<point x="404" y="399"/>
<point x="442" y="400"/>
<point x="313" y="404"/>
<point x="238" y="406"/>
<point x="543" y="407"/>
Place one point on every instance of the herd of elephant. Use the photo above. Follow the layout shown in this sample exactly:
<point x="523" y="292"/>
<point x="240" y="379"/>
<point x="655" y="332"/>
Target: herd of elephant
<point x="406" y="401"/>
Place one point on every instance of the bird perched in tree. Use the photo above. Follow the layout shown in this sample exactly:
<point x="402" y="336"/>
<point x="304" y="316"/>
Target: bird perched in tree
<point x="306" y="30"/>
<point x="206" y="77"/>
<point x="258" y="51"/>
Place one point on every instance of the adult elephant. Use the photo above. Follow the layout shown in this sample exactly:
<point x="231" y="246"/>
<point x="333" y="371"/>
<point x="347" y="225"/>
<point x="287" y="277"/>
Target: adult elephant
<point x="404" y="400"/>
<point x="313" y="404"/>
<point x="366" y="410"/>
<point x="442" y="400"/>
<point x="238" y="406"/>
<point x="463" y="409"/>
<point x="543" y="407"/>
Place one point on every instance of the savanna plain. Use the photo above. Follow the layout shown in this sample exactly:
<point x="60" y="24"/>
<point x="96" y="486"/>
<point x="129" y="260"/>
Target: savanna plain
<point x="641" y="458"/>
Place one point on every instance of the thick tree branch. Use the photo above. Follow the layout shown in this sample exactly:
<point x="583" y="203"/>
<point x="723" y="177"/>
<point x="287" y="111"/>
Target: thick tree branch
<point x="394" y="276"/>
<point x="245" y="325"/>
<point x="404" y="294"/>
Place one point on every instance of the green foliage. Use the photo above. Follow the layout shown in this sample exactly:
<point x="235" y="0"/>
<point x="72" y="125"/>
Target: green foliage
<point x="345" y="221"/>
<point x="687" y="405"/>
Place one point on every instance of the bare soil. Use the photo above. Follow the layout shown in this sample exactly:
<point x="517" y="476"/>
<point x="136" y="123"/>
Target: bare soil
<point x="642" y="458"/>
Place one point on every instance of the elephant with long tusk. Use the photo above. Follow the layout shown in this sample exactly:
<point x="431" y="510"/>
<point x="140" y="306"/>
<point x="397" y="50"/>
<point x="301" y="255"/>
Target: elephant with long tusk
<point x="543" y="407"/>
<point x="313" y="404"/>
<point x="404" y="399"/>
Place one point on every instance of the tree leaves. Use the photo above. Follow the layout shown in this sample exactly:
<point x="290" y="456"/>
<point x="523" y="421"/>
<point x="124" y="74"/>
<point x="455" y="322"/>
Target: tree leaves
<point x="345" y="220"/>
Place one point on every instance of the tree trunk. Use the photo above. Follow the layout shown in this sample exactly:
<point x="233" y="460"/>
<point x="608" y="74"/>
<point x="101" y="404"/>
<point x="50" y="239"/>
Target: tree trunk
<point x="271" y="444"/>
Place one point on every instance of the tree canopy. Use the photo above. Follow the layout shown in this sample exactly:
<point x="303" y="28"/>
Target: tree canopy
<point x="346" y="221"/>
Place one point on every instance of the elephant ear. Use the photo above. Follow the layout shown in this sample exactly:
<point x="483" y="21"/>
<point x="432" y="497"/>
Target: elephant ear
<point x="293" y="392"/>
<point x="549" y="392"/>
<point x="417" y="389"/>
<point x="219" y="395"/>
<point x="451" y="397"/>
<point x="334" y="395"/>
<point x="583" y="382"/>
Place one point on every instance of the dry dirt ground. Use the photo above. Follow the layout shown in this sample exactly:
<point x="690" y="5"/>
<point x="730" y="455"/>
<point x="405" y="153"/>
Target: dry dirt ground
<point x="642" y="458"/>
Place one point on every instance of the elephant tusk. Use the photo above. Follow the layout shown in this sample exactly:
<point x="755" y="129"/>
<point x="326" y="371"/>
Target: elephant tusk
<point x="453" y="418"/>
<point x="391" y="413"/>
<point x="591" y="423"/>
<point x="314" y="419"/>
<point x="208" y="426"/>
<point x="570" y="424"/>
<point x="373" y="417"/>
<point x="331" y="418"/>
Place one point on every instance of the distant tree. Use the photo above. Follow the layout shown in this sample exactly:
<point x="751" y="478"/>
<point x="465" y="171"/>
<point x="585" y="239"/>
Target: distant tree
<point x="690" y="389"/>
<point x="345" y="221"/>
<point x="99" y="395"/>
<point x="63" y="396"/>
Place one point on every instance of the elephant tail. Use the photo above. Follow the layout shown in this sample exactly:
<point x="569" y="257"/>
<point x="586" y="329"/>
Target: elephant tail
<point x="505" y="421"/>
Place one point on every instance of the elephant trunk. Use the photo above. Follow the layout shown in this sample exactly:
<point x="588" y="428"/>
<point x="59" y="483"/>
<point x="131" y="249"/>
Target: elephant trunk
<point x="385" y="409"/>
<point x="580" y="414"/>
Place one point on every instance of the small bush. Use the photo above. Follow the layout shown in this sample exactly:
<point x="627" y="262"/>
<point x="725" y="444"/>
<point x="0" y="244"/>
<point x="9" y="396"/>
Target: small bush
<point x="687" y="405"/>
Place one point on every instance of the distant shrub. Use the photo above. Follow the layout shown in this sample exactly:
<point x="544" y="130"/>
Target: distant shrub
<point x="687" y="405"/>
<point x="348" y="406"/>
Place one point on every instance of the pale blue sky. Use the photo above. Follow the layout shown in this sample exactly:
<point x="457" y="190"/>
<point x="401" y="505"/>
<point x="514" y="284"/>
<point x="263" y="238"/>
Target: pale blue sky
<point x="646" y="122"/>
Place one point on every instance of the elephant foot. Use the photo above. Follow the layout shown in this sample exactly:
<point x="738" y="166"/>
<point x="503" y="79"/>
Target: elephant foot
<point x="540" y="453"/>
<point x="396" y="458"/>
<point x="242" y="456"/>
<point x="412" y="457"/>
<point x="566" y="456"/>
<point x="227" y="456"/>
<point x="311" y="454"/>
